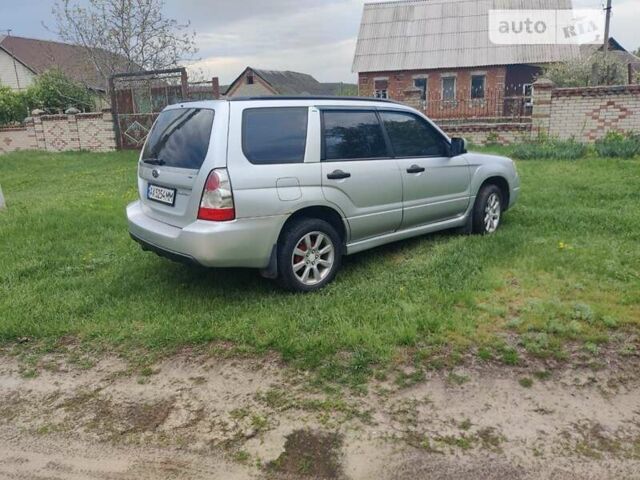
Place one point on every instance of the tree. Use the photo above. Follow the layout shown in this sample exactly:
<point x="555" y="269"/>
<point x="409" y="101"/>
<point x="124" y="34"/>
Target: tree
<point x="124" y="35"/>
<point x="594" y="70"/>
<point x="637" y="52"/>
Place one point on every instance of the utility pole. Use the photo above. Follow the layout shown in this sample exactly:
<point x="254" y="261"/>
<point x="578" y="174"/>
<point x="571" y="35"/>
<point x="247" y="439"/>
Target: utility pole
<point x="606" y="27"/>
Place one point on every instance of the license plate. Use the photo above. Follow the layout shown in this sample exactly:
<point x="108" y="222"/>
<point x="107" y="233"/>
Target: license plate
<point x="161" y="194"/>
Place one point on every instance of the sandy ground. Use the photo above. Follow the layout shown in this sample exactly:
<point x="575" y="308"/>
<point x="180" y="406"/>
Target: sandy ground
<point x="200" y="417"/>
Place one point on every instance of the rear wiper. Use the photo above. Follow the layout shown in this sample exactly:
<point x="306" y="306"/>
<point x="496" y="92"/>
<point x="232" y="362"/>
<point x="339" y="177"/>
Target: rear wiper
<point x="154" y="161"/>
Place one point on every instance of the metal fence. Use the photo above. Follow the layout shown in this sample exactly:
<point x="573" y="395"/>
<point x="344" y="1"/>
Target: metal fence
<point x="137" y="99"/>
<point x="464" y="105"/>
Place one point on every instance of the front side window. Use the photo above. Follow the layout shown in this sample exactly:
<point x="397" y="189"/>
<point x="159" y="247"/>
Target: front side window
<point x="351" y="135"/>
<point x="180" y="138"/>
<point x="477" y="86"/>
<point x="274" y="135"/>
<point x="449" y="89"/>
<point x="411" y="136"/>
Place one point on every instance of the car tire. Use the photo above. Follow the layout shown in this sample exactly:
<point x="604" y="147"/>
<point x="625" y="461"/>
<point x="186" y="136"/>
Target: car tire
<point x="309" y="255"/>
<point x="488" y="210"/>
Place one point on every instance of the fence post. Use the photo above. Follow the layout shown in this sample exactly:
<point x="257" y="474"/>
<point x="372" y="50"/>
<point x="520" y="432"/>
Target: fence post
<point x="72" y="124"/>
<point x="114" y="110"/>
<point x="38" y="129"/>
<point x="413" y="98"/>
<point x="184" y="83"/>
<point x="215" y="85"/>
<point x="542" y="99"/>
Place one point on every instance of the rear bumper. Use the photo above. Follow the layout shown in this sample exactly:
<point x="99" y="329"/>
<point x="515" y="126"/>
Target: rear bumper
<point x="176" y="257"/>
<point x="245" y="242"/>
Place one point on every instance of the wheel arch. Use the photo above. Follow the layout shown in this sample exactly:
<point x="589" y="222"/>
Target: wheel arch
<point x="323" y="212"/>
<point x="500" y="182"/>
<point x="330" y="215"/>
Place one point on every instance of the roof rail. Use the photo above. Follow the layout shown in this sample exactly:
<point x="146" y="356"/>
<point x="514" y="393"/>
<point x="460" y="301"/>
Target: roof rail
<point x="310" y="97"/>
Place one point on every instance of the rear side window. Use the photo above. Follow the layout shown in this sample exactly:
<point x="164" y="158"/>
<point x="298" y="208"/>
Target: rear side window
<point x="180" y="138"/>
<point x="274" y="135"/>
<point x="352" y="135"/>
<point x="412" y="137"/>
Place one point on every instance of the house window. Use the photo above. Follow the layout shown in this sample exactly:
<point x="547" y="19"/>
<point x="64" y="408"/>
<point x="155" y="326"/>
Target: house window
<point x="477" y="86"/>
<point x="421" y="84"/>
<point x="381" y="88"/>
<point x="449" y="89"/>
<point x="249" y="79"/>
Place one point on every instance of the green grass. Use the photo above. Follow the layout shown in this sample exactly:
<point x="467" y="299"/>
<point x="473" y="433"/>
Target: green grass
<point x="564" y="266"/>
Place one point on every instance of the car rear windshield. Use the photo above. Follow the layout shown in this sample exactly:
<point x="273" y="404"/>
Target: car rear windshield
<point x="180" y="138"/>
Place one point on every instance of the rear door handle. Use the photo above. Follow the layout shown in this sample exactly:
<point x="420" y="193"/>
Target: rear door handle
<point x="415" y="169"/>
<point x="338" y="175"/>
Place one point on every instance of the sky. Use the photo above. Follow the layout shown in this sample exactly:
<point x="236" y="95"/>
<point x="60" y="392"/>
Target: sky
<point x="311" y="36"/>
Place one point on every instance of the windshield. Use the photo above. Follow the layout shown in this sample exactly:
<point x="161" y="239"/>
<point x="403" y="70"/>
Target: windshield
<point x="180" y="138"/>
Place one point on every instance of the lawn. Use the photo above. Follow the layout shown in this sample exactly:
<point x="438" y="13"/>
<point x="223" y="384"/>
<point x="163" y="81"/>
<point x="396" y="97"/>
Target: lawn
<point x="564" y="267"/>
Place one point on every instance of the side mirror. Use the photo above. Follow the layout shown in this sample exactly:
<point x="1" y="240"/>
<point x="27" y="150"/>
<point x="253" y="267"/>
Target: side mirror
<point x="458" y="147"/>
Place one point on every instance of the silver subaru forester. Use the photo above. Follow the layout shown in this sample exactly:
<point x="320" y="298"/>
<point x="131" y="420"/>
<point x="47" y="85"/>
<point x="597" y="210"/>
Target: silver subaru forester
<point x="290" y="185"/>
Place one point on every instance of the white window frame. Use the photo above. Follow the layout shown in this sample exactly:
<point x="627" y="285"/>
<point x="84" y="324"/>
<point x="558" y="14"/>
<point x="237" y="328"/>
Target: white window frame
<point x="384" y="94"/>
<point x="447" y="76"/>
<point x="484" y="85"/>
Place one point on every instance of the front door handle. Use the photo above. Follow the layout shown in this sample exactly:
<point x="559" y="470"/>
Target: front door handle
<point x="415" y="169"/>
<point x="338" y="175"/>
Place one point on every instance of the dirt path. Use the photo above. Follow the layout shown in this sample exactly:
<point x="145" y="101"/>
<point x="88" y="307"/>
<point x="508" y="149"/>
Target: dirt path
<point x="201" y="417"/>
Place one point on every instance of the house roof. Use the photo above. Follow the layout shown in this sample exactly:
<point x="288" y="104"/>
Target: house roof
<point x="289" y="83"/>
<point x="42" y="55"/>
<point x="285" y="82"/>
<point x="616" y="49"/>
<point x="436" y="34"/>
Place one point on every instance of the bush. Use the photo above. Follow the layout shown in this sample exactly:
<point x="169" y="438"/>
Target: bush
<point x="13" y="106"/>
<point x="544" y="148"/>
<point x="616" y="144"/>
<point x="52" y="92"/>
<point x="597" y="69"/>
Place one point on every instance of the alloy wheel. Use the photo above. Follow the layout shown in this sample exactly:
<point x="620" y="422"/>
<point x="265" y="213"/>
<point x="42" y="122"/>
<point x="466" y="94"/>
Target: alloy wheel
<point x="313" y="258"/>
<point x="492" y="212"/>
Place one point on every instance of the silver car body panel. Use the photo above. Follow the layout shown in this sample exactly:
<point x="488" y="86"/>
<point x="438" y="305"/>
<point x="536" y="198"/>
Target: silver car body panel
<point x="380" y="203"/>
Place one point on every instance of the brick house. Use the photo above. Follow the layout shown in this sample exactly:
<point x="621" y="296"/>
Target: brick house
<point x="258" y="82"/>
<point x="437" y="56"/>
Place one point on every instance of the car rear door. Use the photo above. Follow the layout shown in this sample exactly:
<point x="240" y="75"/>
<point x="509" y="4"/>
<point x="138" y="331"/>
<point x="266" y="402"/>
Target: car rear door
<point x="359" y="174"/>
<point x="435" y="186"/>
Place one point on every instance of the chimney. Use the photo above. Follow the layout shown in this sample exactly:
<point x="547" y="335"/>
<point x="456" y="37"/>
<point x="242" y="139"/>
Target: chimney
<point x="215" y="85"/>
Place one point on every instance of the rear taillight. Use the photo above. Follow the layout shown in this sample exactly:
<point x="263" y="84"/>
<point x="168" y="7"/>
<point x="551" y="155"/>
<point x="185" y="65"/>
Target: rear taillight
<point x="217" y="198"/>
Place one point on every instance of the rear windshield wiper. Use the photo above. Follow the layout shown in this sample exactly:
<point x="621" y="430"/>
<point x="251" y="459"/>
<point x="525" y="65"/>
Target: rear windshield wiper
<point x="154" y="161"/>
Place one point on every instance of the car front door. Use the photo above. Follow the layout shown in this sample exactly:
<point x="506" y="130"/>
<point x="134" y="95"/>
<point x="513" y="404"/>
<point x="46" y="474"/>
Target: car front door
<point x="435" y="186"/>
<point x="359" y="174"/>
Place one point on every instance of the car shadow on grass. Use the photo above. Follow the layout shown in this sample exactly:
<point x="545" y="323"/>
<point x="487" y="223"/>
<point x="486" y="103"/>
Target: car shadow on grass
<point x="226" y="281"/>
<point x="236" y="283"/>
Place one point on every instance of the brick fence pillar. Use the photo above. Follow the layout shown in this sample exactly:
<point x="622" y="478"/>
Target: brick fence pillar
<point x="38" y="130"/>
<point x="542" y="98"/>
<point x="413" y="98"/>
<point x="109" y="130"/>
<point x="74" y="134"/>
